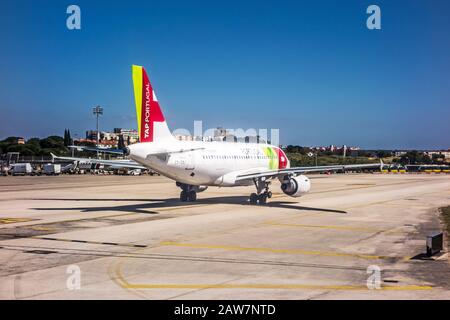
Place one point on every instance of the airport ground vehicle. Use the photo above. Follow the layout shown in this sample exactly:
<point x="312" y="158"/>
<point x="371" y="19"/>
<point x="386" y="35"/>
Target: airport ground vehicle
<point x="135" y="172"/>
<point x="52" y="169"/>
<point x="21" y="169"/>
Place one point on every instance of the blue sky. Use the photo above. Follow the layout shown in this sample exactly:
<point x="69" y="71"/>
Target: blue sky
<point x="310" y="68"/>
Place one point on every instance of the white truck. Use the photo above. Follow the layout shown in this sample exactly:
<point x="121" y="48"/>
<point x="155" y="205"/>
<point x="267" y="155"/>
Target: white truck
<point x="52" y="169"/>
<point x="21" y="169"/>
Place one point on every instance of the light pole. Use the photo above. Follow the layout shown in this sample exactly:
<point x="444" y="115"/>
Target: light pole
<point x="310" y="154"/>
<point x="345" y="153"/>
<point x="97" y="111"/>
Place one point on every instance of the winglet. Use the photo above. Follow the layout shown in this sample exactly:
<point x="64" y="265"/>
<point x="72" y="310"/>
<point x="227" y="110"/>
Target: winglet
<point x="381" y="164"/>
<point x="53" y="157"/>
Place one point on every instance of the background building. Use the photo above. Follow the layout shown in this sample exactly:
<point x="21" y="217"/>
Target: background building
<point x="111" y="139"/>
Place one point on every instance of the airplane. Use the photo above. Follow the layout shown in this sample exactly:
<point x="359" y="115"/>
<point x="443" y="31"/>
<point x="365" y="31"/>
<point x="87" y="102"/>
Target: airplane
<point x="196" y="165"/>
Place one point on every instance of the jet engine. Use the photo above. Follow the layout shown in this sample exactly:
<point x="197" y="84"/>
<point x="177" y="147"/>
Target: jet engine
<point x="296" y="186"/>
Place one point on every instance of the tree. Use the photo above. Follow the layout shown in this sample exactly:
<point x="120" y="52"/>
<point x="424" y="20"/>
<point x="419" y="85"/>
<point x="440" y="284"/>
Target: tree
<point x="11" y="140"/>
<point x="23" y="149"/>
<point x="66" y="137"/>
<point x="33" y="144"/>
<point x="121" y="144"/>
<point x="415" y="157"/>
<point x="52" y="142"/>
<point x="292" y="149"/>
<point x="383" y="153"/>
<point x="33" y="141"/>
<point x="437" y="158"/>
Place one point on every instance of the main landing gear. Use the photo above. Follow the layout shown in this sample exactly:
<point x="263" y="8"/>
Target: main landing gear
<point x="188" y="192"/>
<point x="262" y="191"/>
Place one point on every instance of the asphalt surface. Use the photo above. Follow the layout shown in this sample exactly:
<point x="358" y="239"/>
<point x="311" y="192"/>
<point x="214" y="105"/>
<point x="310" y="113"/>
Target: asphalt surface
<point x="121" y="237"/>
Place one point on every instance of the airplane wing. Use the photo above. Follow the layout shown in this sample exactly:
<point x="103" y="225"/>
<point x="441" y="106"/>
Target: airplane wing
<point x="123" y="151"/>
<point x="301" y="170"/>
<point x="117" y="164"/>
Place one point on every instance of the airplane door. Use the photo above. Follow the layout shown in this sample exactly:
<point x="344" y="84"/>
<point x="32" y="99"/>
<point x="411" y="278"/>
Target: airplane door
<point x="190" y="161"/>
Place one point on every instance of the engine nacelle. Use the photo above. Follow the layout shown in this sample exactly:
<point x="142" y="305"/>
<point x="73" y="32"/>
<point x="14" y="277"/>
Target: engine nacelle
<point x="296" y="186"/>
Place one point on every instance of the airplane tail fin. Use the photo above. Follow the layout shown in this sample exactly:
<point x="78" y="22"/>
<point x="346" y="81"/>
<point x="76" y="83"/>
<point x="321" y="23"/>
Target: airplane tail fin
<point x="152" y="125"/>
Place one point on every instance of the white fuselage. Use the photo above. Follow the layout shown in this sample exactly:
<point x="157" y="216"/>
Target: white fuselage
<point x="210" y="164"/>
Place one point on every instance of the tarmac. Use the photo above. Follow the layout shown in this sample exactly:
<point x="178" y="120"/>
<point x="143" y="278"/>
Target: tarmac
<point x="354" y="236"/>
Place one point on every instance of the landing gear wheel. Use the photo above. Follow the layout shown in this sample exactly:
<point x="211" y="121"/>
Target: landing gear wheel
<point x="192" y="196"/>
<point x="183" y="196"/>
<point x="262" y="198"/>
<point x="253" y="198"/>
<point x="262" y="191"/>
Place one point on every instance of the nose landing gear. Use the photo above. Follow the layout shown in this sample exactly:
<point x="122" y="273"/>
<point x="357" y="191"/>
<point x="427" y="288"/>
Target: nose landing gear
<point x="190" y="196"/>
<point x="188" y="192"/>
<point x="262" y="189"/>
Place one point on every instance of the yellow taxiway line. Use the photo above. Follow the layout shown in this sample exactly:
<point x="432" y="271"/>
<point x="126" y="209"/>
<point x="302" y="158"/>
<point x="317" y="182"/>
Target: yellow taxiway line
<point x="267" y="286"/>
<point x="342" y="228"/>
<point x="117" y="276"/>
<point x="14" y="220"/>
<point x="272" y="250"/>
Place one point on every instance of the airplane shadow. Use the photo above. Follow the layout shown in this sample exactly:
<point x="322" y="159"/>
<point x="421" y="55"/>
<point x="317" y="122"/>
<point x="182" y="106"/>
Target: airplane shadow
<point x="150" y="206"/>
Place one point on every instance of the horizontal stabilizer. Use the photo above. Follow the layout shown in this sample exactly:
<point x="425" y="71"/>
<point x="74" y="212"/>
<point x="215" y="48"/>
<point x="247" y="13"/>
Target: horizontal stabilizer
<point x="129" y="164"/>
